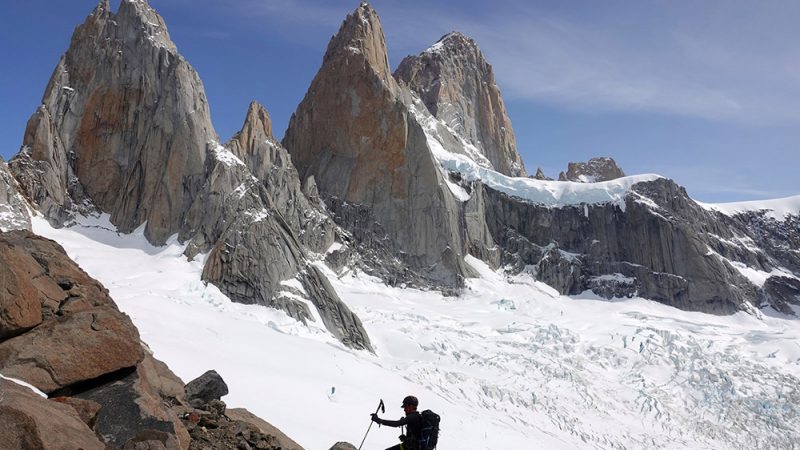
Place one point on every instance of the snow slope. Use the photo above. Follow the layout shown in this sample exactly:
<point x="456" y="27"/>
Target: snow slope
<point x="455" y="154"/>
<point x="777" y="209"/>
<point x="510" y="364"/>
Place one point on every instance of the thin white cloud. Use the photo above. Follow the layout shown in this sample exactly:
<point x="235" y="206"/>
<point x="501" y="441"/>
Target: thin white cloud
<point x="732" y="60"/>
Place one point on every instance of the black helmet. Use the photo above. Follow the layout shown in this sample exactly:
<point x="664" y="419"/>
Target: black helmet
<point x="410" y="400"/>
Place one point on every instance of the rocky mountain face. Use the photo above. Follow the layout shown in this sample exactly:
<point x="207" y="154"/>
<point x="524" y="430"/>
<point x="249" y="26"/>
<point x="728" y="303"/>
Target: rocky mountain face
<point x="61" y="333"/>
<point x="659" y="245"/>
<point x="596" y="170"/>
<point x="14" y="209"/>
<point x="124" y="129"/>
<point x="768" y="245"/>
<point x="369" y="156"/>
<point x="358" y="181"/>
<point x="655" y="248"/>
<point x="457" y="85"/>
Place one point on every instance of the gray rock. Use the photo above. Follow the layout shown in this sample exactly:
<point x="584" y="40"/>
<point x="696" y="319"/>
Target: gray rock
<point x="14" y="211"/>
<point x="338" y="319"/>
<point x="782" y="293"/>
<point x="205" y="388"/>
<point x="122" y="127"/>
<point x="355" y="134"/>
<point x="596" y="170"/>
<point x="298" y="205"/>
<point x="657" y="249"/>
<point x="541" y="176"/>
<point x="458" y="87"/>
<point x="131" y="415"/>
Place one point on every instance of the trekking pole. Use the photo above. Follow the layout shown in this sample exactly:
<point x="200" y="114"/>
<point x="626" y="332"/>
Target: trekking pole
<point x="382" y="409"/>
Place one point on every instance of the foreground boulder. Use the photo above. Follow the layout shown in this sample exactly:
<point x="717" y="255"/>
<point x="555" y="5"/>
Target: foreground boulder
<point x="208" y="386"/>
<point x="32" y="422"/>
<point x="79" y="333"/>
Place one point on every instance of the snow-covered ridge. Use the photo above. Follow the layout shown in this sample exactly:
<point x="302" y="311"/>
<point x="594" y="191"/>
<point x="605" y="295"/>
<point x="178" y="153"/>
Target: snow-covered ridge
<point x="777" y="209"/>
<point x="548" y="193"/>
<point x="473" y="166"/>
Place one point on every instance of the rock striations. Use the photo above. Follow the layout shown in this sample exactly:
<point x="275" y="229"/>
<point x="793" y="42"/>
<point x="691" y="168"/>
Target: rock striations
<point x="125" y="129"/>
<point x="370" y="159"/>
<point x="122" y="128"/>
<point x="458" y="87"/>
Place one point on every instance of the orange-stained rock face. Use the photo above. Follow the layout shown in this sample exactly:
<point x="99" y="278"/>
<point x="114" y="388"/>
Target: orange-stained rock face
<point x="351" y="112"/>
<point x="132" y="116"/>
<point x="353" y="132"/>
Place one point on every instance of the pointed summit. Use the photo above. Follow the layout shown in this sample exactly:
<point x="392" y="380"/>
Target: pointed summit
<point x="103" y="8"/>
<point x="257" y="123"/>
<point x="458" y="87"/>
<point x="355" y="135"/>
<point x="361" y="39"/>
<point x="122" y="128"/>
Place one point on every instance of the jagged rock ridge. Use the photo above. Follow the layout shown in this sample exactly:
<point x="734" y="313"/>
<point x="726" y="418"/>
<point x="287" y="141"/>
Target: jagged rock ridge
<point x="596" y="170"/>
<point x="354" y="134"/>
<point x="124" y="129"/>
<point x="458" y="87"/>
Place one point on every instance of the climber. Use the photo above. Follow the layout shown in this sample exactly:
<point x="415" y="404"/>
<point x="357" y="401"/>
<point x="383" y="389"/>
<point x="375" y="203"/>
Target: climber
<point x="412" y="421"/>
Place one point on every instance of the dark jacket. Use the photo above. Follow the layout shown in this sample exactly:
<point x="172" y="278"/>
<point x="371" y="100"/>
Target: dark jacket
<point x="413" y="423"/>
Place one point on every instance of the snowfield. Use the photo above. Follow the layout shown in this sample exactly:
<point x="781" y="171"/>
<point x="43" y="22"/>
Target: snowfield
<point x="509" y="365"/>
<point x="777" y="209"/>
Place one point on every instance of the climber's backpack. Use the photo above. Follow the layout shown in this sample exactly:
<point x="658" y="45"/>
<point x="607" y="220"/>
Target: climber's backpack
<point x="429" y="436"/>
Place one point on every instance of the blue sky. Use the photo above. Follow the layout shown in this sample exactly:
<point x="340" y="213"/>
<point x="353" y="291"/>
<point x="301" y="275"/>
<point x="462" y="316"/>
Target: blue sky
<point x="706" y="93"/>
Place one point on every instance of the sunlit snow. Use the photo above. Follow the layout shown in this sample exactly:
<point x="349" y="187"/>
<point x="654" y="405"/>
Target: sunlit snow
<point x="777" y="209"/>
<point x="510" y="364"/>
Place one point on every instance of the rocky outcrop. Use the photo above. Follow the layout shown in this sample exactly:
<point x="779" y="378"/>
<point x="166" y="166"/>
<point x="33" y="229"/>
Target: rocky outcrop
<point x="123" y="126"/>
<point x="272" y="165"/>
<point x="59" y="326"/>
<point x="33" y="422"/>
<point x="265" y="428"/>
<point x="14" y="213"/>
<point x="458" y="87"/>
<point x="208" y="386"/>
<point x="369" y="156"/>
<point x="106" y="390"/>
<point x="657" y="246"/>
<point x="540" y="175"/>
<point x="261" y="233"/>
<point x="596" y="170"/>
